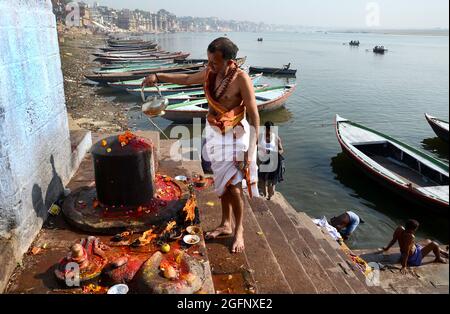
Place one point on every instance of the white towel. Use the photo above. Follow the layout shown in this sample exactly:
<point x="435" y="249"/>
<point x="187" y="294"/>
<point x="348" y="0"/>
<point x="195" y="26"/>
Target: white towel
<point x="331" y="230"/>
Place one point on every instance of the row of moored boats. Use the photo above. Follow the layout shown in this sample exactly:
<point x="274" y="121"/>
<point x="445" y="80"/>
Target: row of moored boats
<point x="124" y="64"/>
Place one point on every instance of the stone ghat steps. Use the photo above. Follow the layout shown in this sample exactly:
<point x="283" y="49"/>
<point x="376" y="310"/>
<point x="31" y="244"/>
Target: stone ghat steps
<point x="316" y="256"/>
<point x="285" y="252"/>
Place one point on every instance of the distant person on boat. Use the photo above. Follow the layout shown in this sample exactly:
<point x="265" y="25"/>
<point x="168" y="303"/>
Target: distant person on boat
<point x="412" y="254"/>
<point x="346" y="224"/>
<point x="231" y="139"/>
<point x="270" y="161"/>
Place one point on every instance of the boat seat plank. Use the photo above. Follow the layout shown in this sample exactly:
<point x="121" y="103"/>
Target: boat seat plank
<point x="403" y="171"/>
<point x="369" y="143"/>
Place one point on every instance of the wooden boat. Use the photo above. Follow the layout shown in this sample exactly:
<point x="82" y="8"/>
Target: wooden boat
<point x="240" y="61"/>
<point x="125" y="41"/>
<point x="440" y="127"/>
<point x="133" y="75"/>
<point x="134" y="68"/>
<point x="271" y="99"/>
<point x="286" y="71"/>
<point x="200" y="94"/>
<point x="136" y="84"/>
<point x="143" y="58"/>
<point x="412" y="174"/>
<point x="130" y="47"/>
<point x="120" y="49"/>
<point x="380" y="49"/>
<point x="165" y="90"/>
<point x="132" y="44"/>
<point x="131" y="54"/>
<point x="134" y="64"/>
<point x="132" y="61"/>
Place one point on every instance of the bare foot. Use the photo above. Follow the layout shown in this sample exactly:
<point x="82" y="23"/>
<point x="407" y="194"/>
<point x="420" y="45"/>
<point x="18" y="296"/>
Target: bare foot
<point x="238" y="245"/>
<point x="222" y="230"/>
<point x="440" y="260"/>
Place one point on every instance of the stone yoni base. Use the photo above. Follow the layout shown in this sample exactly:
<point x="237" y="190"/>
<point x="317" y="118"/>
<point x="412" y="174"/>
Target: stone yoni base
<point x="81" y="211"/>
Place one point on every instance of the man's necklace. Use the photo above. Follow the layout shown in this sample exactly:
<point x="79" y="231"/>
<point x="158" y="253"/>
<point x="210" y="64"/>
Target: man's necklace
<point x="224" y="84"/>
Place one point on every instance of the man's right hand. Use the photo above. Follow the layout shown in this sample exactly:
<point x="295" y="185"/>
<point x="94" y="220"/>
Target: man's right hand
<point x="150" y="81"/>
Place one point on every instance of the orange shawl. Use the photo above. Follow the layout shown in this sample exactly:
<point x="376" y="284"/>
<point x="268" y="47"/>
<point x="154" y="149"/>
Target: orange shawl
<point x="223" y="118"/>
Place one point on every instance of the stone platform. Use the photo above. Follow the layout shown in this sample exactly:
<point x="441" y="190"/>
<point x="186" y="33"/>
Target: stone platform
<point x="36" y="273"/>
<point x="297" y="256"/>
<point x="430" y="278"/>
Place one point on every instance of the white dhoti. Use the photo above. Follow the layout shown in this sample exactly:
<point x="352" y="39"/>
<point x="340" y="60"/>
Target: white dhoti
<point x="224" y="151"/>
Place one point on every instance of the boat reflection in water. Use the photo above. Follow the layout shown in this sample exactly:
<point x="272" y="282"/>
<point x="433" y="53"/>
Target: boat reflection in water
<point x="437" y="147"/>
<point x="383" y="201"/>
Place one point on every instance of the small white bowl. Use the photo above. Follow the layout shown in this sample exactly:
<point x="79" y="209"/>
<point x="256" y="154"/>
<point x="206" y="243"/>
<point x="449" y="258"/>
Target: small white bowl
<point x="181" y="178"/>
<point x="119" y="289"/>
<point x="191" y="239"/>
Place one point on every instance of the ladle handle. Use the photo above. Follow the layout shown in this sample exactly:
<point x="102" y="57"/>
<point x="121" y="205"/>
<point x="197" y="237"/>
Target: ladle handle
<point x="143" y="94"/>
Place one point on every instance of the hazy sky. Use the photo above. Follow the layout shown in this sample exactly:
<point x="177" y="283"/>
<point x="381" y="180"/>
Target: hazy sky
<point x="327" y="13"/>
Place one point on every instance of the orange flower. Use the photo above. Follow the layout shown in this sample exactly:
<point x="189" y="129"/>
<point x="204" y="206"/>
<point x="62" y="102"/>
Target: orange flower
<point x="104" y="143"/>
<point x="147" y="237"/>
<point x="189" y="208"/>
<point x="170" y="226"/>
<point x="125" y="138"/>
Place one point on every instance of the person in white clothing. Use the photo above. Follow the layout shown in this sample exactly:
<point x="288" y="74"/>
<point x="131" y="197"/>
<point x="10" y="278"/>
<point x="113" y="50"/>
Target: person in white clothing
<point x="270" y="160"/>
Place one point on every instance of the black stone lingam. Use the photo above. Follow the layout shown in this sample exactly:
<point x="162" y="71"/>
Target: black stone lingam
<point x="124" y="172"/>
<point x="127" y="196"/>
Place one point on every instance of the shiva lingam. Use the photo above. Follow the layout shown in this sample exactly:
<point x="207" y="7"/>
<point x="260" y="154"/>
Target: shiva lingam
<point x="143" y="213"/>
<point x="128" y="195"/>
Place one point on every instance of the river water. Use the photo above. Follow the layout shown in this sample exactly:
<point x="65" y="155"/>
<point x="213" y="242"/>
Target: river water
<point x="388" y="92"/>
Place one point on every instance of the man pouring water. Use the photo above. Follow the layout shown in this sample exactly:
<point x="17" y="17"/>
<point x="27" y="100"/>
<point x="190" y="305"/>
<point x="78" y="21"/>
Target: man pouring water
<point x="230" y="138"/>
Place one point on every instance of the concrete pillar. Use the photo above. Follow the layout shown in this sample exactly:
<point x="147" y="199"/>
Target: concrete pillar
<point x="35" y="151"/>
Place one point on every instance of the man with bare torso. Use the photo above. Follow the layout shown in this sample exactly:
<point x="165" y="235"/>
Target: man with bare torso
<point x="412" y="254"/>
<point x="231" y="98"/>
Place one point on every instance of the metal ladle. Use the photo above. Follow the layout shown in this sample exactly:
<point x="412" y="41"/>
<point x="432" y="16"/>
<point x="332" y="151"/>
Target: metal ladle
<point x="154" y="107"/>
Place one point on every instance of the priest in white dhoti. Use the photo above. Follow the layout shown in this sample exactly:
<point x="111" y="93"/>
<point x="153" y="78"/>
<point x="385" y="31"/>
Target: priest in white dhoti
<point x="231" y="133"/>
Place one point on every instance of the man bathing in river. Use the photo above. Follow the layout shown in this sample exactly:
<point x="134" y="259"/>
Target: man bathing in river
<point x="412" y="254"/>
<point x="230" y="141"/>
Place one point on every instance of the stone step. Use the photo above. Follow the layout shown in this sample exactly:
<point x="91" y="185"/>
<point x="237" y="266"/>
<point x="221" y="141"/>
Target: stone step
<point x="268" y="274"/>
<point x="294" y="271"/>
<point x="266" y="277"/>
<point x="334" y="259"/>
<point x="326" y="277"/>
<point x="353" y="276"/>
